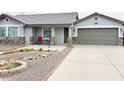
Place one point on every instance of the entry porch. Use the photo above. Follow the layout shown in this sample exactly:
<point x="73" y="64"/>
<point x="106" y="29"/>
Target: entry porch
<point x="50" y="35"/>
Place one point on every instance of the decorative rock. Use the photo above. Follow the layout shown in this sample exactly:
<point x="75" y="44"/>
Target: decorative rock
<point x="44" y="55"/>
<point x="40" y="49"/>
<point x="2" y="63"/>
<point x="29" y="58"/>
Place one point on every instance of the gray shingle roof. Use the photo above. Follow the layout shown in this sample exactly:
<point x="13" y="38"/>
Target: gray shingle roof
<point x="55" y="18"/>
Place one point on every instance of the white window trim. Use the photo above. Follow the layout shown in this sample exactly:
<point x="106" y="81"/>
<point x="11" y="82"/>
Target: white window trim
<point x="6" y="31"/>
<point x="17" y="30"/>
<point x="7" y="26"/>
<point x="99" y="26"/>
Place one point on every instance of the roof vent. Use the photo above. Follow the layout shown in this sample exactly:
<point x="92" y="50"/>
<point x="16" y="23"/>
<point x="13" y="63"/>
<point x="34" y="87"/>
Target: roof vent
<point x="96" y="18"/>
<point x="6" y="19"/>
<point x="96" y="23"/>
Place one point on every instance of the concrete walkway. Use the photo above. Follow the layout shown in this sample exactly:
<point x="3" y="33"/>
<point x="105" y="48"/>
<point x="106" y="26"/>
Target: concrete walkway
<point x="91" y="62"/>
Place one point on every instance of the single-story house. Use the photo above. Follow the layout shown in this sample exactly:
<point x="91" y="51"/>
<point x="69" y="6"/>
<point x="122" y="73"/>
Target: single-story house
<point x="61" y="28"/>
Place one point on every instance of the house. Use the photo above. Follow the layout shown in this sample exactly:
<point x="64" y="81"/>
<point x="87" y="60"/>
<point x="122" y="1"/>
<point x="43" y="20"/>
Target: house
<point x="60" y="28"/>
<point x="24" y="29"/>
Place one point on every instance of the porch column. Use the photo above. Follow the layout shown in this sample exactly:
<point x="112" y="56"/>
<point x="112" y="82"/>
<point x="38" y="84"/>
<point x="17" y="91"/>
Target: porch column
<point x="52" y="40"/>
<point x="70" y="37"/>
<point x="21" y="37"/>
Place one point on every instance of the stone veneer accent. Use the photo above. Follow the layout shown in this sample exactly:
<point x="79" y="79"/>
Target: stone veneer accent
<point x="74" y="40"/>
<point x="31" y="40"/>
<point x="120" y="41"/>
<point x="21" y="40"/>
<point x="70" y="41"/>
<point x="13" y="41"/>
<point x="52" y="41"/>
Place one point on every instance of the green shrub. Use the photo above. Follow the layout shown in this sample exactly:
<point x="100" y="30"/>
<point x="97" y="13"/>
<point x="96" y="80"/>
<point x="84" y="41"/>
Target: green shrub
<point x="10" y="65"/>
<point x="26" y="49"/>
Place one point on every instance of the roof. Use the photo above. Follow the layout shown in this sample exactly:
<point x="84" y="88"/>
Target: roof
<point x="55" y="18"/>
<point x="98" y="14"/>
<point x="38" y="19"/>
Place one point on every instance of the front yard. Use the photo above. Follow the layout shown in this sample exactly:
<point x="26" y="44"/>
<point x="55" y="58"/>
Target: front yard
<point x="40" y="63"/>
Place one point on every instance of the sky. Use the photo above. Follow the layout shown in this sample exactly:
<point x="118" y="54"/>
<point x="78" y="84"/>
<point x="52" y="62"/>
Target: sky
<point x="113" y="8"/>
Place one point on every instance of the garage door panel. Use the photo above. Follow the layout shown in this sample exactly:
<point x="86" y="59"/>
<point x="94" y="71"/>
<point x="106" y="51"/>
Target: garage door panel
<point x="98" y="36"/>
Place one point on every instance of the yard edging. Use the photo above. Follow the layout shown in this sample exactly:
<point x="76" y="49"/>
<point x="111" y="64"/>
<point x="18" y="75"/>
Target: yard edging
<point x="64" y="53"/>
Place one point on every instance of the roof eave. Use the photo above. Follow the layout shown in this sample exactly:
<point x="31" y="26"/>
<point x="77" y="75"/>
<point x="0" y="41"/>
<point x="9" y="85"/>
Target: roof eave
<point x="52" y="24"/>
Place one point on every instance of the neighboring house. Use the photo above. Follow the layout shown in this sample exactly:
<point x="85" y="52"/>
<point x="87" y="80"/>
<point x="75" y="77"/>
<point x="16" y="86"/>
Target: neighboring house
<point x="60" y="28"/>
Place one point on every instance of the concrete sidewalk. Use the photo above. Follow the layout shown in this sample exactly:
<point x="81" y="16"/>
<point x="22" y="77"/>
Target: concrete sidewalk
<point x="91" y="62"/>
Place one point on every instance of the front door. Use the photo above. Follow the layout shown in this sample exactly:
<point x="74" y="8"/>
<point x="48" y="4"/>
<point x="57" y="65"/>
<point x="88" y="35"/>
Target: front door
<point x="37" y="32"/>
<point x="66" y="33"/>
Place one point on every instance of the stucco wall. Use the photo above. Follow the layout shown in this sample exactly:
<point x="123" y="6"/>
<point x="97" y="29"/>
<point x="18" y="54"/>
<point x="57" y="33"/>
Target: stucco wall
<point x="59" y="35"/>
<point x="21" y="31"/>
<point x="28" y="35"/>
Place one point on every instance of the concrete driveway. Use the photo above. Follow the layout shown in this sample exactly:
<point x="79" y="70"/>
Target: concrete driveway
<point x="92" y="62"/>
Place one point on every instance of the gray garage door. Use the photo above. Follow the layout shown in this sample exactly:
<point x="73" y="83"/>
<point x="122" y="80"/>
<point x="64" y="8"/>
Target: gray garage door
<point x="98" y="36"/>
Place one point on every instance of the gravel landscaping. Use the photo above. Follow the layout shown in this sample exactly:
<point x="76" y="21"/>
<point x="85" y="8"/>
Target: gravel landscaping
<point x="38" y="67"/>
<point x="7" y="47"/>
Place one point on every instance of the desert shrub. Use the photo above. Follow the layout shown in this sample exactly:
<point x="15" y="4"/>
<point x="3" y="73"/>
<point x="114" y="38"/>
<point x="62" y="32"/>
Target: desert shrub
<point x="26" y="49"/>
<point x="10" y="65"/>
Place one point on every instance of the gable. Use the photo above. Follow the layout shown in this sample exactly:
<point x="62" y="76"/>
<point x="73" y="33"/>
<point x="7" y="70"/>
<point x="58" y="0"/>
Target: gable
<point x="101" y="21"/>
<point x="9" y="22"/>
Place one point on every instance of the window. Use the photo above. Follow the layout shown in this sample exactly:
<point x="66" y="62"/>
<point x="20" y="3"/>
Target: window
<point x="2" y="32"/>
<point x="47" y="32"/>
<point x="13" y="31"/>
